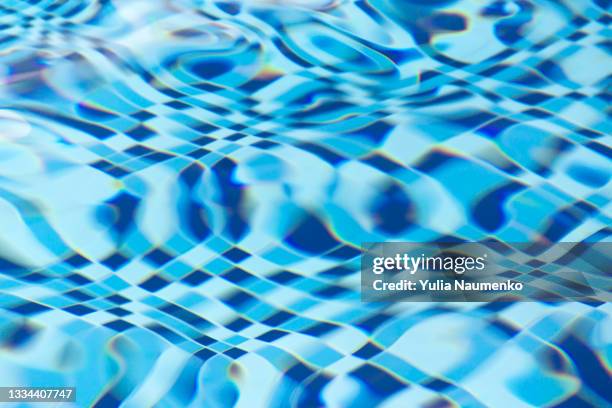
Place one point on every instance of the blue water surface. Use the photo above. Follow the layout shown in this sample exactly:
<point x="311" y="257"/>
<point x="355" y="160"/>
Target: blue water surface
<point x="185" y="187"/>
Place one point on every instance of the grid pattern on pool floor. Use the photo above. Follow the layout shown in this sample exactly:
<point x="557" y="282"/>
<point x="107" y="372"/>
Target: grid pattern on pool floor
<point x="185" y="186"/>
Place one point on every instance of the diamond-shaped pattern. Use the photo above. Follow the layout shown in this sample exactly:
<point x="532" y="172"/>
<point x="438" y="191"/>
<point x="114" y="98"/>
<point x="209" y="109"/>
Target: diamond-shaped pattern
<point x="195" y="179"/>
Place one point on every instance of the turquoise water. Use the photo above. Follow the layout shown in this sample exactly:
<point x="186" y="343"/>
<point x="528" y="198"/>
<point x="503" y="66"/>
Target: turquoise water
<point x="185" y="186"/>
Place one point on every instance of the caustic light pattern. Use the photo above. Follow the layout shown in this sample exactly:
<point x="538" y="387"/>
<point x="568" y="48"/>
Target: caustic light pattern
<point x="185" y="185"/>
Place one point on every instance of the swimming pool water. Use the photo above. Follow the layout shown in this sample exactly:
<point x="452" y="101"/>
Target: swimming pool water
<point x="185" y="186"/>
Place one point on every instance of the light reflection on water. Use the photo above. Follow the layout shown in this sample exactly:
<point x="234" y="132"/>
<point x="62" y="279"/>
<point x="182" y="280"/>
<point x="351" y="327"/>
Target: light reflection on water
<point x="185" y="185"/>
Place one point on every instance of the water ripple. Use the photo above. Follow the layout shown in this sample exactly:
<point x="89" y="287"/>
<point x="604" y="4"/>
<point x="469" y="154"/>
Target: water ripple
<point x="185" y="186"/>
